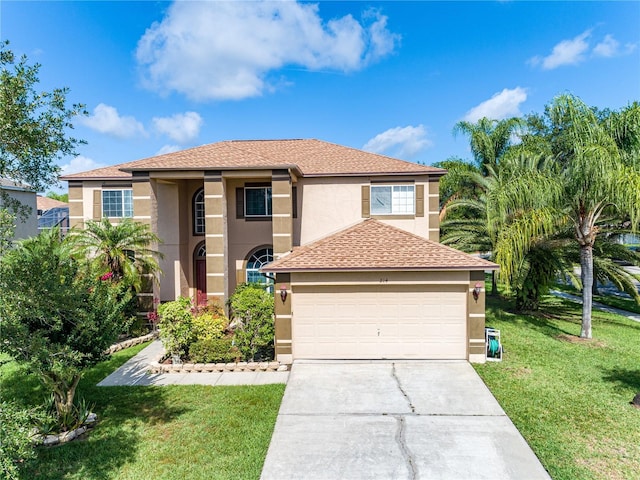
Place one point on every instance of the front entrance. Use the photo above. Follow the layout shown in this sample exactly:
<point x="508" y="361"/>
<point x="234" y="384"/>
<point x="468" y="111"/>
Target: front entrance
<point x="200" y="261"/>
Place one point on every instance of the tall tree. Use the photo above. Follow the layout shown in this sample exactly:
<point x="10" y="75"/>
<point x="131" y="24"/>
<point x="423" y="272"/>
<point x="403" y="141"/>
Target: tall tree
<point x="125" y="250"/>
<point x="597" y="175"/>
<point x="57" y="317"/>
<point x="489" y="139"/>
<point x="33" y="125"/>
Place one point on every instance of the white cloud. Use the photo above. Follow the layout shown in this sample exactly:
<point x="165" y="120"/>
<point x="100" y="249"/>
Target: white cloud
<point x="225" y="50"/>
<point x="567" y="52"/>
<point x="80" y="164"/>
<point x="181" y="127"/>
<point x="403" y="142"/>
<point x="168" y="149"/>
<point x="610" y="47"/>
<point x="501" y="105"/>
<point x="106" y="119"/>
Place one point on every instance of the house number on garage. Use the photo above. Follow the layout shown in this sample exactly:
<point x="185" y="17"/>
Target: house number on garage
<point x="384" y="280"/>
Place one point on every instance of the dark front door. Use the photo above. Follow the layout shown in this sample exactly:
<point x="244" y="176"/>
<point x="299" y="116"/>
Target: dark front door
<point x="201" y="281"/>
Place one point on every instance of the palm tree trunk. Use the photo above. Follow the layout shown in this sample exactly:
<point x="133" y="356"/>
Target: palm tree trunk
<point x="494" y="284"/>
<point x="586" y="274"/>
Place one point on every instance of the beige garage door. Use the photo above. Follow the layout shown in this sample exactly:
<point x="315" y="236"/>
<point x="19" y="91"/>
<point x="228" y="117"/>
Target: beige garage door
<point x="379" y="322"/>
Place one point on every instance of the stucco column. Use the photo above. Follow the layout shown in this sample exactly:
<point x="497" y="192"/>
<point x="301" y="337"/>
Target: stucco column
<point x="215" y="235"/>
<point x="476" y="318"/>
<point x="76" y="205"/>
<point x="283" y="319"/>
<point x="143" y="205"/>
<point x="434" y="209"/>
<point x="281" y="212"/>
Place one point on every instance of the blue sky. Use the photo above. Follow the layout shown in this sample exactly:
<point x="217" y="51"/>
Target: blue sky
<point x="390" y="77"/>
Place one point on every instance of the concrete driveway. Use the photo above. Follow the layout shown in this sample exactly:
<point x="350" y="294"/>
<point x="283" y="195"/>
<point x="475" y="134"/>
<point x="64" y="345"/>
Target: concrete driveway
<point x="394" y="420"/>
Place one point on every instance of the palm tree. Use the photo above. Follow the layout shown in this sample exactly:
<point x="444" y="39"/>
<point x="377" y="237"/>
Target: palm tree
<point x="500" y="209"/>
<point x="489" y="139"/>
<point x="595" y="177"/>
<point x="124" y="250"/>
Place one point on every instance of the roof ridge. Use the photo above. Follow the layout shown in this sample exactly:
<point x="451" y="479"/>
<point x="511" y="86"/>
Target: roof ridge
<point x="374" y="244"/>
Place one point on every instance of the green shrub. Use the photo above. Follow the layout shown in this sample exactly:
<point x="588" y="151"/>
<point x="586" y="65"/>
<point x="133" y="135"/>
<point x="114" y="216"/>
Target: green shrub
<point x="208" y="326"/>
<point x="176" y="328"/>
<point x="213" y="350"/>
<point x="252" y="313"/>
<point x="16" y="447"/>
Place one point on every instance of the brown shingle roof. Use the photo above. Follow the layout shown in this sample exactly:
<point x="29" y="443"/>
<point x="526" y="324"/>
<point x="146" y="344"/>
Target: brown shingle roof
<point x="46" y="203"/>
<point x="373" y="245"/>
<point x="104" y="173"/>
<point x="309" y="157"/>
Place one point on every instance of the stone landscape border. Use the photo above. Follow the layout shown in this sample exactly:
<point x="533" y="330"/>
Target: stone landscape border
<point x="157" y="367"/>
<point x="64" y="437"/>
<point x="132" y="342"/>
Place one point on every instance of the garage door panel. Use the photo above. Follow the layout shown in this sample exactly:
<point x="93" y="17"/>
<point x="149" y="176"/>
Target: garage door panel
<point x="334" y="322"/>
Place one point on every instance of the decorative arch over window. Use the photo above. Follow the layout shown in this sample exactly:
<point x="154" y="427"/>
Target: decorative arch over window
<point x="198" y="212"/>
<point x="258" y="259"/>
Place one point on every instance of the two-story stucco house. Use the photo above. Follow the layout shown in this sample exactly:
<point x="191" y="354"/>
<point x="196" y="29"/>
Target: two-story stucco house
<point x="346" y="239"/>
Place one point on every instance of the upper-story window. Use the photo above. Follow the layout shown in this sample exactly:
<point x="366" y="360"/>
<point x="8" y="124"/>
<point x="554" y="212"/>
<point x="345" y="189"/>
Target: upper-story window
<point x="198" y="212"/>
<point x="117" y="203"/>
<point x="393" y="199"/>
<point x="257" y="201"/>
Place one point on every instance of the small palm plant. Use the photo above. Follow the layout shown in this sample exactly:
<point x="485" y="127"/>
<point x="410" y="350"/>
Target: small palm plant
<point x="124" y="249"/>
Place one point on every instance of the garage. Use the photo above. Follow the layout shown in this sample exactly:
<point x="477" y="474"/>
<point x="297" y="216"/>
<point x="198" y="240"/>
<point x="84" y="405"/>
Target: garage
<point x="398" y="322"/>
<point x="375" y="291"/>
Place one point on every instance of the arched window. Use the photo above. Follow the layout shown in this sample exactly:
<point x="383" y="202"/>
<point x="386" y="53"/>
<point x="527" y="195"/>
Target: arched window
<point x="257" y="260"/>
<point x="198" y="212"/>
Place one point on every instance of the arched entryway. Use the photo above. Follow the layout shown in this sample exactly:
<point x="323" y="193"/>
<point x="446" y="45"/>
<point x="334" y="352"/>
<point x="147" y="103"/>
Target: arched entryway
<point x="200" y="269"/>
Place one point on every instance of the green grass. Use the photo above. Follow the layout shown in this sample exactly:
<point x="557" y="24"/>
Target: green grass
<point x="170" y="432"/>
<point x="570" y="398"/>
<point x="622" y="303"/>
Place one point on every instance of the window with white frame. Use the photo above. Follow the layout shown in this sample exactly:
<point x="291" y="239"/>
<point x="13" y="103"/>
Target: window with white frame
<point x="256" y="261"/>
<point x="393" y="199"/>
<point x="117" y="203"/>
<point x="257" y="201"/>
<point x="198" y="212"/>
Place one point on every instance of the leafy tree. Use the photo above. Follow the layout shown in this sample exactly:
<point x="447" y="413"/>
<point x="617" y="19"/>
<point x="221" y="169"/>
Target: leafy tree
<point x="7" y="229"/>
<point x="56" y="316"/>
<point x="33" y="125"/>
<point x="457" y="183"/>
<point x="61" y="197"/>
<point x="595" y="178"/>
<point x="124" y="249"/>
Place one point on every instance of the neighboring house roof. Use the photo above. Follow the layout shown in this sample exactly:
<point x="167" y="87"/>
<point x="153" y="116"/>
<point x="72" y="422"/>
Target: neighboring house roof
<point x="6" y="184"/>
<point x="373" y="245"/>
<point x="309" y="158"/>
<point x="46" y="203"/>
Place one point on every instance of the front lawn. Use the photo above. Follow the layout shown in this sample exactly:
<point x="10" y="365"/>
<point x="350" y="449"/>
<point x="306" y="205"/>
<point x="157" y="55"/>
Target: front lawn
<point x="568" y="397"/>
<point x="170" y="432"/>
